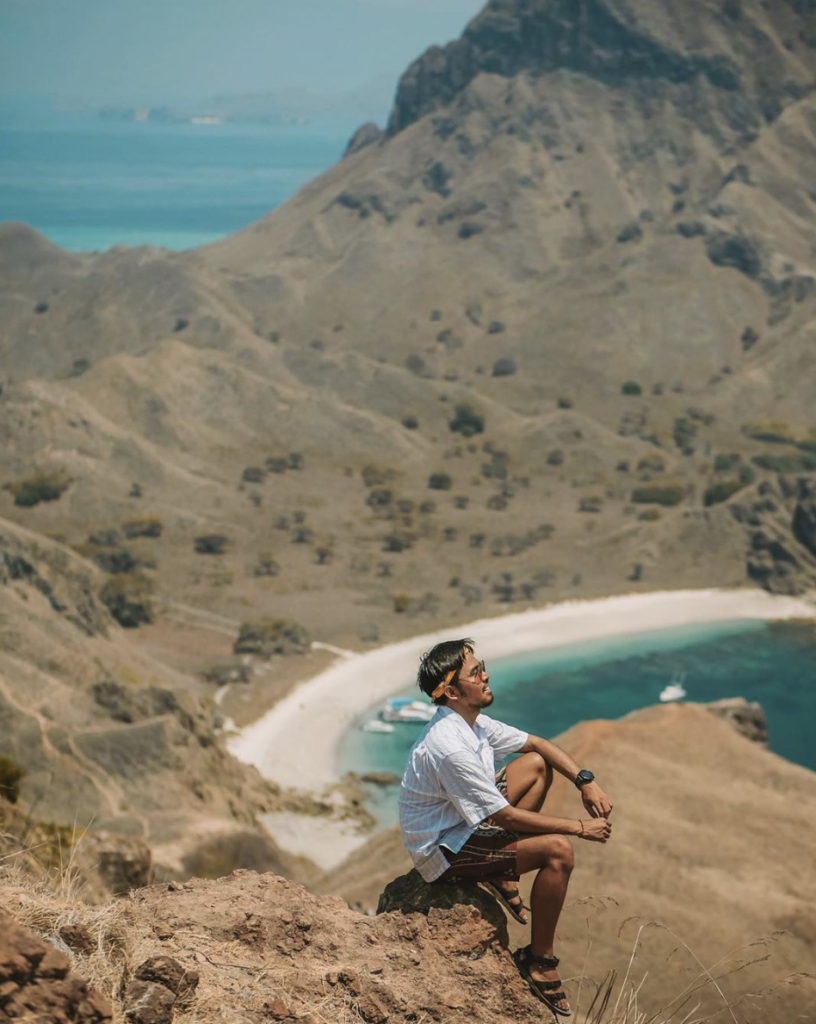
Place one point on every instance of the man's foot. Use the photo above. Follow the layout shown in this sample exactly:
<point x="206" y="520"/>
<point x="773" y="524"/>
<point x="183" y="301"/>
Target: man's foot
<point x="541" y="974"/>
<point x="507" y="893"/>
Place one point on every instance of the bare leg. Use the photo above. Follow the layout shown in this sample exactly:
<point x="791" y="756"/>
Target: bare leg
<point x="529" y="778"/>
<point x="553" y="856"/>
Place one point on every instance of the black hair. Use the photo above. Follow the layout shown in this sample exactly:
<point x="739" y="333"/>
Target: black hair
<point x="439" y="661"/>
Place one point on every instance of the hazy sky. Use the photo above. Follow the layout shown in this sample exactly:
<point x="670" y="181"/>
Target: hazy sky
<point x="130" y="50"/>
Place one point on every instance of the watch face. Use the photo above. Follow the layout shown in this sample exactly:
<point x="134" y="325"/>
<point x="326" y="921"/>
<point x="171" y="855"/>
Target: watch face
<point x="584" y="776"/>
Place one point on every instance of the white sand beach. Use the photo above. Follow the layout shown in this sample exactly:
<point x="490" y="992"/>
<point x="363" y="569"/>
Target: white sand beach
<point x="297" y="742"/>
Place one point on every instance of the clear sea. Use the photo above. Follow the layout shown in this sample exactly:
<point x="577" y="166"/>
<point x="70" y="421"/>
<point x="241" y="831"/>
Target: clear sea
<point x="88" y="183"/>
<point x="547" y="692"/>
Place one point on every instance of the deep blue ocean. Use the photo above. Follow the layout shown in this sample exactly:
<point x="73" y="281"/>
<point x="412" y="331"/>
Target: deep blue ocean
<point x="548" y="692"/>
<point x="88" y="183"/>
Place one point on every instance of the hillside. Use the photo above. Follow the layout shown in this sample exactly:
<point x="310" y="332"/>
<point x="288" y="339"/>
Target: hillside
<point x="548" y="335"/>
<point x="713" y="839"/>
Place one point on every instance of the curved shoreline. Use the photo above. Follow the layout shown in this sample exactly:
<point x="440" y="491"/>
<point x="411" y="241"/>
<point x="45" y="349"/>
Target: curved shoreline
<point x="297" y="742"/>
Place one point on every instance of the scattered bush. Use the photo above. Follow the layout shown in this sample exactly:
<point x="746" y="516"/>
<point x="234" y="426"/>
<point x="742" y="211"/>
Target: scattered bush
<point x="466" y="421"/>
<point x="276" y="464"/>
<point x="10" y="778"/>
<point x="295" y="461"/>
<point x="564" y="402"/>
<point x="724" y="463"/>
<point x="129" y="599"/>
<point x="504" y="367"/>
<point x="631" y="387"/>
<point x="40" y="488"/>
<point x="210" y="544"/>
<point x="117" y="560"/>
<point x="721" y="491"/>
<point x="593" y="503"/>
<point x="555" y="457"/>
<point x="272" y="636"/>
<point x="427" y="507"/>
<point x="147" y="526"/>
<point x="652" y="464"/>
<point x="631" y="232"/>
<point x="793" y="463"/>
<point x="253" y="475"/>
<point x="78" y="367"/>
<point x="772" y="432"/>
<point x="41" y="307"/>
<point x="402" y="602"/>
<point x="684" y="433"/>
<point x="410" y="422"/>
<point x="303" y="535"/>
<point x="104" y="538"/>
<point x="469" y="228"/>
<point x="749" y="338"/>
<point x="440" y="482"/>
<point x="461" y="501"/>
<point x="266" y="566"/>
<point x="474" y="313"/>
<point x="379" y="497"/>
<point x="495" y="327"/>
<point x="659" y="494"/>
<point x="377" y="476"/>
<point x="497" y="503"/>
<point x="650" y="515"/>
<point x="622" y="466"/>
<point x="181" y="324"/>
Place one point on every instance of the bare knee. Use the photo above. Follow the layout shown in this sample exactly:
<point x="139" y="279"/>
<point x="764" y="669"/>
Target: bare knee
<point x="561" y="853"/>
<point x="539" y="766"/>
<point x="552" y="851"/>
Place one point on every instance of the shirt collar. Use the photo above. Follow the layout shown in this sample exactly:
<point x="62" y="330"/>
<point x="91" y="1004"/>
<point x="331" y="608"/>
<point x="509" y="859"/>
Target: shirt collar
<point x="475" y="734"/>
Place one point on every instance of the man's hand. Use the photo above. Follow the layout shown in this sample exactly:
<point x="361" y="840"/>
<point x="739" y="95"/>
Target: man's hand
<point x="596" y="830"/>
<point x="595" y="800"/>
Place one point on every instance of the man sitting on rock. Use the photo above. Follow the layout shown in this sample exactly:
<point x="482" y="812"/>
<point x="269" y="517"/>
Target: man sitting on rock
<point x="459" y="820"/>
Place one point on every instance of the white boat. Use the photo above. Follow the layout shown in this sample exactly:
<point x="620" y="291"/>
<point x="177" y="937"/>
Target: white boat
<point x="675" y="689"/>
<point x="377" y="725"/>
<point x="403" y="709"/>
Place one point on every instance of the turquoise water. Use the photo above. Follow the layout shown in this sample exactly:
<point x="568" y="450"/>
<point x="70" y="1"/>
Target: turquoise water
<point x="547" y="692"/>
<point x="88" y="183"/>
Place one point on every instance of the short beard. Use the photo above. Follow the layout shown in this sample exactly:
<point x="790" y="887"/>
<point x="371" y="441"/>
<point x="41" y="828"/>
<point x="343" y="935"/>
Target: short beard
<point x="490" y="700"/>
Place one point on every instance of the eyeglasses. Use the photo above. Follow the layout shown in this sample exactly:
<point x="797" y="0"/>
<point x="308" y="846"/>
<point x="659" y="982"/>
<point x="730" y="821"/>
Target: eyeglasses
<point x="475" y="673"/>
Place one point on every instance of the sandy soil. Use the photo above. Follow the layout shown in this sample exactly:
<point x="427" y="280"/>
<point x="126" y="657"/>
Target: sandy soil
<point x="317" y="714"/>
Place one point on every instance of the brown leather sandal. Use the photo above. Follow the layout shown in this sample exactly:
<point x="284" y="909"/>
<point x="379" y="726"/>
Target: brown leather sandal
<point x="549" y="992"/>
<point x="511" y="901"/>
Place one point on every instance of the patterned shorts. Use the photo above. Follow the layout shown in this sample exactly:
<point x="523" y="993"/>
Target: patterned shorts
<point x="490" y="851"/>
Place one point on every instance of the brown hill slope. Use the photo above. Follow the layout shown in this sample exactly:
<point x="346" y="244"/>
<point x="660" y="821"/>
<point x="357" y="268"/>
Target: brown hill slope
<point x="713" y="839"/>
<point x="109" y="739"/>
<point x="550" y="336"/>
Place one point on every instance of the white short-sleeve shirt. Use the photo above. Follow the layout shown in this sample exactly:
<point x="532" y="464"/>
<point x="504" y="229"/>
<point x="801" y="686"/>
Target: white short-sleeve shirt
<point x="449" y="785"/>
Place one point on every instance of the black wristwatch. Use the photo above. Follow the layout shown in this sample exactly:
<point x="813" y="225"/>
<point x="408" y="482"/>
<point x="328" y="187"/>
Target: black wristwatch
<point x="583" y="777"/>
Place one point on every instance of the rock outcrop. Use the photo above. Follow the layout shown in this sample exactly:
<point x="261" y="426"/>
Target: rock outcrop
<point x="37" y="984"/>
<point x="747" y="717"/>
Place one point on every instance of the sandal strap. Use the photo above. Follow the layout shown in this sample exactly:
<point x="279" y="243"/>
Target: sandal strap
<point x="549" y="963"/>
<point x="548" y="986"/>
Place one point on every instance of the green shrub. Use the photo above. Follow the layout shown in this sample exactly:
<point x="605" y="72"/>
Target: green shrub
<point x="659" y="494"/>
<point x="210" y="544"/>
<point x="43" y="487"/>
<point x="377" y="476"/>
<point x="724" y="463"/>
<point x="272" y="636"/>
<point x="631" y="387"/>
<point x="466" y="421"/>
<point x="793" y="463"/>
<point x="148" y="526"/>
<point x="772" y="431"/>
<point x="721" y="491"/>
<point x="440" y="482"/>
<point x="10" y="778"/>
<point x="650" y="515"/>
<point x="684" y="433"/>
<point x="564" y="402"/>
<point x="504" y="367"/>
<point x="410" y="422"/>
<point x="652" y="463"/>
<point x="402" y="602"/>
<point x="128" y="597"/>
<point x="593" y="503"/>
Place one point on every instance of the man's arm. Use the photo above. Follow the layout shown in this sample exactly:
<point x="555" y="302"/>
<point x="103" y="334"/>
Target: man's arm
<point x="531" y="822"/>
<point x="595" y="800"/>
